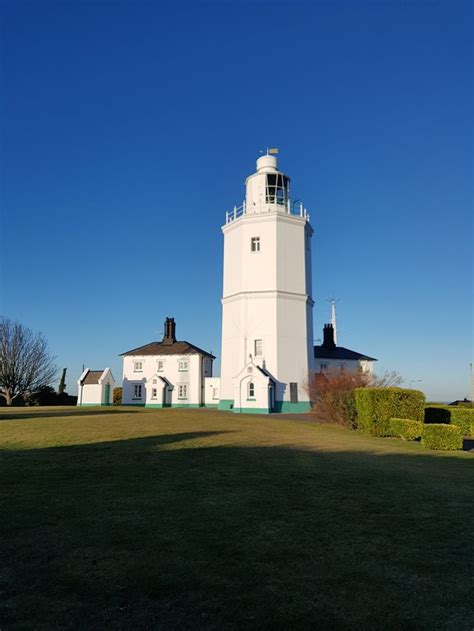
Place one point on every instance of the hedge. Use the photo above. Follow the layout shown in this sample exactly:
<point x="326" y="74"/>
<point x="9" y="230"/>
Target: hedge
<point x="406" y="428"/>
<point x="441" y="436"/>
<point x="376" y="406"/>
<point x="460" y="416"/>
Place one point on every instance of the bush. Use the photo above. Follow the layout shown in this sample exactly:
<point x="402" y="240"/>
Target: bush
<point x="332" y="395"/>
<point x="440" y="436"/>
<point x="406" y="428"/>
<point x="117" y="396"/>
<point x="460" y="416"/>
<point x="376" y="406"/>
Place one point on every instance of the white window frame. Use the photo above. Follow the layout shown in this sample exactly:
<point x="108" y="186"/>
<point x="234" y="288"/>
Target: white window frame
<point x="183" y="365"/>
<point x="138" y="365"/>
<point x="215" y="392"/>
<point x="255" y="244"/>
<point x="137" y="391"/>
<point x="160" y="365"/>
<point x="324" y="367"/>
<point x="154" y="393"/>
<point x="182" y="391"/>
<point x="251" y="391"/>
<point x="258" y="346"/>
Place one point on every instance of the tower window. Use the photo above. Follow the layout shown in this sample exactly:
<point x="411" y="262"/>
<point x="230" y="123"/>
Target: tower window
<point x="255" y="244"/>
<point x="258" y="348"/>
<point x="251" y="390"/>
<point x="276" y="189"/>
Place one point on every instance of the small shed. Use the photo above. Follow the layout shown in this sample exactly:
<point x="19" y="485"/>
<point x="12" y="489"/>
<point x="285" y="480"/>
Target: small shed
<point x="96" y="387"/>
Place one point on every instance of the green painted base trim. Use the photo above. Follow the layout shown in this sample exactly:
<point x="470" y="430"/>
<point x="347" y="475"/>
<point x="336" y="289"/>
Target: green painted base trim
<point x="251" y="411"/>
<point x="210" y="405"/>
<point x="136" y="405"/>
<point x="153" y="405"/>
<point x="226" y="404"/>
<point x="286" y="407"/>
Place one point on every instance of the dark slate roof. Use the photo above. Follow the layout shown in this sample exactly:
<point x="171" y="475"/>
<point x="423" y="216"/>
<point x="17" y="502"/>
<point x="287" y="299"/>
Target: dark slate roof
<point x="161" y="348"/>
<point x="92" y="377"/>
<point x="339" y="352"/>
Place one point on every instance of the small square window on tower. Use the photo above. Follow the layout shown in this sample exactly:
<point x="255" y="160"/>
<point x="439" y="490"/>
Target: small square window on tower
<point x="255" y="244"/>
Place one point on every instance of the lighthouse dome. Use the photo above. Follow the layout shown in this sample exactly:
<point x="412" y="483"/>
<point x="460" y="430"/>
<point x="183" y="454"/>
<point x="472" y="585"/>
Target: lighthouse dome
<point x="267" y="164"/>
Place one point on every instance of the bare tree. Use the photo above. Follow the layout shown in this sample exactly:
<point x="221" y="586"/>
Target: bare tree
<point x="25" y="362"/>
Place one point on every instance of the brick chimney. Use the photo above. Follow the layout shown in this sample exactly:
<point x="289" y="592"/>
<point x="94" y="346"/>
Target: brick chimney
<point x="328" y="336"/>
<point x="169" y="335"/>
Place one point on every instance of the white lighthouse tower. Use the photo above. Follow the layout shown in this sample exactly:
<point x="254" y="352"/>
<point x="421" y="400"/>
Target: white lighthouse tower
<point x="267" y="323"/>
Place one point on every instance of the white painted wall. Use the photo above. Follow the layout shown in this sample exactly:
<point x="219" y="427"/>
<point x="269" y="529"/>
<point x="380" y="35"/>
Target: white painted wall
<point x="95" y="394"/>
<point x="351" y="365"/>
<point x="211" y="390"/>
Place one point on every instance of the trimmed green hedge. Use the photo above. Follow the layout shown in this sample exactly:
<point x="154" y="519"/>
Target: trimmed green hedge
<point x="376" y="406"/>
<point x="406" y="428"/>
<point x="450" y="415"/>
<point x="441" y="436"/>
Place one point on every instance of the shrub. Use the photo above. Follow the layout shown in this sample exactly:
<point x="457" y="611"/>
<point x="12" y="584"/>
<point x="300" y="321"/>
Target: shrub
<point x="441" y="436"/>
<point x="117" y="396"/>
<point x="406" y="428"/>
<point x="332" y="395"/>
<point x="460" y="416"/>
<point x="376" y="406"/>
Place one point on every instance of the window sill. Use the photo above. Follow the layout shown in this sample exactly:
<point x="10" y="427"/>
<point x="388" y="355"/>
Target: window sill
<point x="251" y="399"/>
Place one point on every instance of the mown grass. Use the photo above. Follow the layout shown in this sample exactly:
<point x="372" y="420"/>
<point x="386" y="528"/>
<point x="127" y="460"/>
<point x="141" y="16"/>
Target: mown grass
<point x="172" y="519"/>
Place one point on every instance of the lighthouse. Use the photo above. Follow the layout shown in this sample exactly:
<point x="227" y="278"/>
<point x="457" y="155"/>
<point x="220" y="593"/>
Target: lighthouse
<point x="267" y="323"/>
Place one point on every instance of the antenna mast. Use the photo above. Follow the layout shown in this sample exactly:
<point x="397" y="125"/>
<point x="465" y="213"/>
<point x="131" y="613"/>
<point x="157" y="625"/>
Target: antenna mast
<point x="333" y="302"/>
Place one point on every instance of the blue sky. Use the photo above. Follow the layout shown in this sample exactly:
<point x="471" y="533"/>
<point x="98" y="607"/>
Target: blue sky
<point x="128" y="129"/>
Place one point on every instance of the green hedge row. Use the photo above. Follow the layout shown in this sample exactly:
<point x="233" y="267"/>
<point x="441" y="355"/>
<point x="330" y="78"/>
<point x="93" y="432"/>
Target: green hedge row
<point x="406" y="428"/>
<point x="441" y="436"/>
<point x="462" y="417"/>
<point x="376" y="406"/>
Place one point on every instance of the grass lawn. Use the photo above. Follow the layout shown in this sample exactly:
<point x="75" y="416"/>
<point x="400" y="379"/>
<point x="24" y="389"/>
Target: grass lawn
<point x="194" y="519"/>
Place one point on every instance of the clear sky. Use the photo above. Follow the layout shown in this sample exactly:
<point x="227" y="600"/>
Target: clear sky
<point x="128" y="129"/>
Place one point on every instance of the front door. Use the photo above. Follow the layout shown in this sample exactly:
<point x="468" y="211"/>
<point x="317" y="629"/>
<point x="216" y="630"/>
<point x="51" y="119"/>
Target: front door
<point x="107" y="394"/>
<point x="271" y="397"/>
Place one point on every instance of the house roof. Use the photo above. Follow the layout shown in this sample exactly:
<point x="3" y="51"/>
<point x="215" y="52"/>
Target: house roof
<point x="161" y="348"/>
<point x="339" y="352"/>
<point x="92" y="377"/>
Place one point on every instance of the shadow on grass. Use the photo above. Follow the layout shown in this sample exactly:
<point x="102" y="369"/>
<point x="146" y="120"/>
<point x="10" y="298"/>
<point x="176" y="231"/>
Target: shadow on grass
<point x="168" y="532"/>
<point x="52" y="413"/>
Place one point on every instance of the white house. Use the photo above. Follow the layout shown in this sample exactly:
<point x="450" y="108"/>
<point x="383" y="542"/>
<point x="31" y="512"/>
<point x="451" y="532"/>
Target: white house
<point x="267" y="322"/>
<point x="96" y="387"/>
<point x="329" y="357"/>
<point x="169" y="373"/>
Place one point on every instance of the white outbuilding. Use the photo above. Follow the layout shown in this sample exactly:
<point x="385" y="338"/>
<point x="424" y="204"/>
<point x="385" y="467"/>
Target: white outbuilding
<point x="96" y="387"/>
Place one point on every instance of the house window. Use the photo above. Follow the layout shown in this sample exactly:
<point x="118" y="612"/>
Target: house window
<point x="160" y="364"/>
<point x="255" y="244"/>
<point x="137" y="391"/>
<point x="293" y="393"/>
<point x="183" y="364"/>
<point x="182" y="391"/>
<point x="215" y="393"/>
<point x="251" y="390"/>
<point x="258" y="348"/>
<point x="137" y="366"/>
<point x="324" y="367"/>
<point x="154" y="393"/>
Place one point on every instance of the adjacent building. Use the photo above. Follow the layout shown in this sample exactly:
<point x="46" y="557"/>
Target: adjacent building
<point x="170" y="373"/>
<point x="96" y="387"/>
<point x="329" y="357"/>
